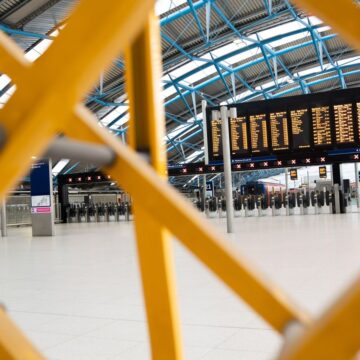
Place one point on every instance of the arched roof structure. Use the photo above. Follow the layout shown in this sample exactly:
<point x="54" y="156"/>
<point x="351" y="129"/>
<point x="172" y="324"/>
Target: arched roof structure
<point x="221" y="51"/>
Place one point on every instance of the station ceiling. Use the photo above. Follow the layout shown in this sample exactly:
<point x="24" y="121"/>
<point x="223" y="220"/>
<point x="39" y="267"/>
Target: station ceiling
<point x="221" y="51"/>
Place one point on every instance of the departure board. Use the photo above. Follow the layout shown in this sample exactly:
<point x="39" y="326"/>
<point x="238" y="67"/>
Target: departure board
<point x="358" y="117"/>
<point x="290" y="130"/>
<point x="216" y="138"/>
<point x="344" y="123"/>
<point x="239" y="136"/>
<point x="279" y="131"/>
<point x="300" y="128"/>
<point x="258" y="133"/>
<point x="321" y="125"/>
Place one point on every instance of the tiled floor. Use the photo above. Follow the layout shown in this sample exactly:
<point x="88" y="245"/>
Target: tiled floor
<point x="78" y="296"/>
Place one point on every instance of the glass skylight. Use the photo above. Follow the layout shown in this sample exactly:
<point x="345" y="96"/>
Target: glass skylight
<point x="163" y="6"/>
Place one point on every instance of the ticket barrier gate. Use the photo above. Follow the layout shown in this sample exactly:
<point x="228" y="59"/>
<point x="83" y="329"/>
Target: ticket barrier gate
<point x="333" y="199"/>
<point x="109" y="212"/>
<point x="290" y="203"/>
<point x="237" y="206"/>
<point x="221" y="207"/>
<point x="200" y="205"/>
<point x="276" y="204"/>
<point x="249" y="204"/>
<point x="339" y="201"/>
<point x="211" y="207"/>
<point x="244" y="205"/>
<point x="317" y="201"/>
<point x="261" y="204"/>
<point x="328" y="200"/>
<point x="303" y="202"/>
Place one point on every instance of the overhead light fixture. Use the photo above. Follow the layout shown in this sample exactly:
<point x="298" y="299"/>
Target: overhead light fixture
<point x="59" y="166"/>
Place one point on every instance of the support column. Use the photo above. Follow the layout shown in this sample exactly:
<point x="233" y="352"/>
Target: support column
<point x="3" y="218"/>
<point x="336" y="178"/>
<point x="206" y="146"/>
<point x="286" y="180"/>
<point x="227" y="168"/>
<point x="357" y="184"/>
<point x="204" y="188"/>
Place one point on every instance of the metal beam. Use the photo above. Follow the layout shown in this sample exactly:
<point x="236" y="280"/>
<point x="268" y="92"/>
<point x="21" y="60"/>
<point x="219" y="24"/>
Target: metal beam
<point x="143" y="73"/>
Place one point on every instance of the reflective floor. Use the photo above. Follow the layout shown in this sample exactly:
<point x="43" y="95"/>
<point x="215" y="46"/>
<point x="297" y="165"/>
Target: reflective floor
<point x="78" y="295"/>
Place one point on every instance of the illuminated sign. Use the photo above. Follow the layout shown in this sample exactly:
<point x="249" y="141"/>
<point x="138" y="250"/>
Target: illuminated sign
<point x="312" y="126"/>
<point x="216" y="140"/>
<point x="293" y="174"/>
<point x="279" y="131"/>
<point x="300" y="128"/>
<point x="258" y="133"/>
<point x="239" y="136"/>
<point x="322" y="172"/>
<point x="321" y="125"/>
<point x="344" y="123"/>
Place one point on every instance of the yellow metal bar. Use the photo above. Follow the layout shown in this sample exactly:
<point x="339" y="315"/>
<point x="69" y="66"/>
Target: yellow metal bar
<point x="342" y="15"/>
<point x="47" y="94"/>
<point x="147" y="125"/>
<point x="13" y="63"/>
<point x="168" y="208"/>
<point x="13" y="344"/>
<point x="336" y="335"/>
<point x="44" y="104"/>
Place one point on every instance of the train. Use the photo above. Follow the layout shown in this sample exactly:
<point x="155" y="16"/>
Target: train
<point x="260" y="188"/>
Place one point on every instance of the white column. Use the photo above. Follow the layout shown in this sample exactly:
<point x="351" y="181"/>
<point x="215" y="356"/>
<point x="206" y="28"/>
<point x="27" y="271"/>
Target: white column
<point x="227" y="168"/>
<point x="3" y="218"/>
<point x="206" y="148"/>
<point x="357" y="184"/>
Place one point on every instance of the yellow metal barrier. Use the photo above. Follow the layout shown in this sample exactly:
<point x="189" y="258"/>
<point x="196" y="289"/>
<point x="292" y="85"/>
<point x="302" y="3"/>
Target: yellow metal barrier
<point x="46" y="102"/>
<point x="147" y="125"/>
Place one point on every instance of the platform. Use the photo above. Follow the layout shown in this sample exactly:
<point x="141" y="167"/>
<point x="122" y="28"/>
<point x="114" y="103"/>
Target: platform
<point x="78" y="295"/>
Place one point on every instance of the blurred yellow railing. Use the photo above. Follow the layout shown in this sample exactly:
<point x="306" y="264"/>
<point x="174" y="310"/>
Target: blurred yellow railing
<point x="48" y="101"/>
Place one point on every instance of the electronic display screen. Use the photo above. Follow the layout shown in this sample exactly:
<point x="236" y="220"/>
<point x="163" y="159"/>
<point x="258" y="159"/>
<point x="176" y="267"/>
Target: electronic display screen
<point x="258" y="133"/>
<point x="216" y="138"/>
<point x="322" y="172"/>
<point x="300" y="128"/>
<point x="239" y="136"/>
<point x="358" y="117"/>
<point x="321" y="125"/>
<point x="279" y="131"/>
<point x="287" y="128"/>
<point x="293" y="174"/>
<point x="344" y="123"/>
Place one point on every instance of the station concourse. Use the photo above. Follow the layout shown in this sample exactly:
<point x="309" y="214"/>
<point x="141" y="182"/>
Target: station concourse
<point x="180" y="180"/>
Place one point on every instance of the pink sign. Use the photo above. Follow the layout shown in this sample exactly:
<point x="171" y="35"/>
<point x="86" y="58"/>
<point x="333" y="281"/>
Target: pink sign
<point x="41" y="210"/>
